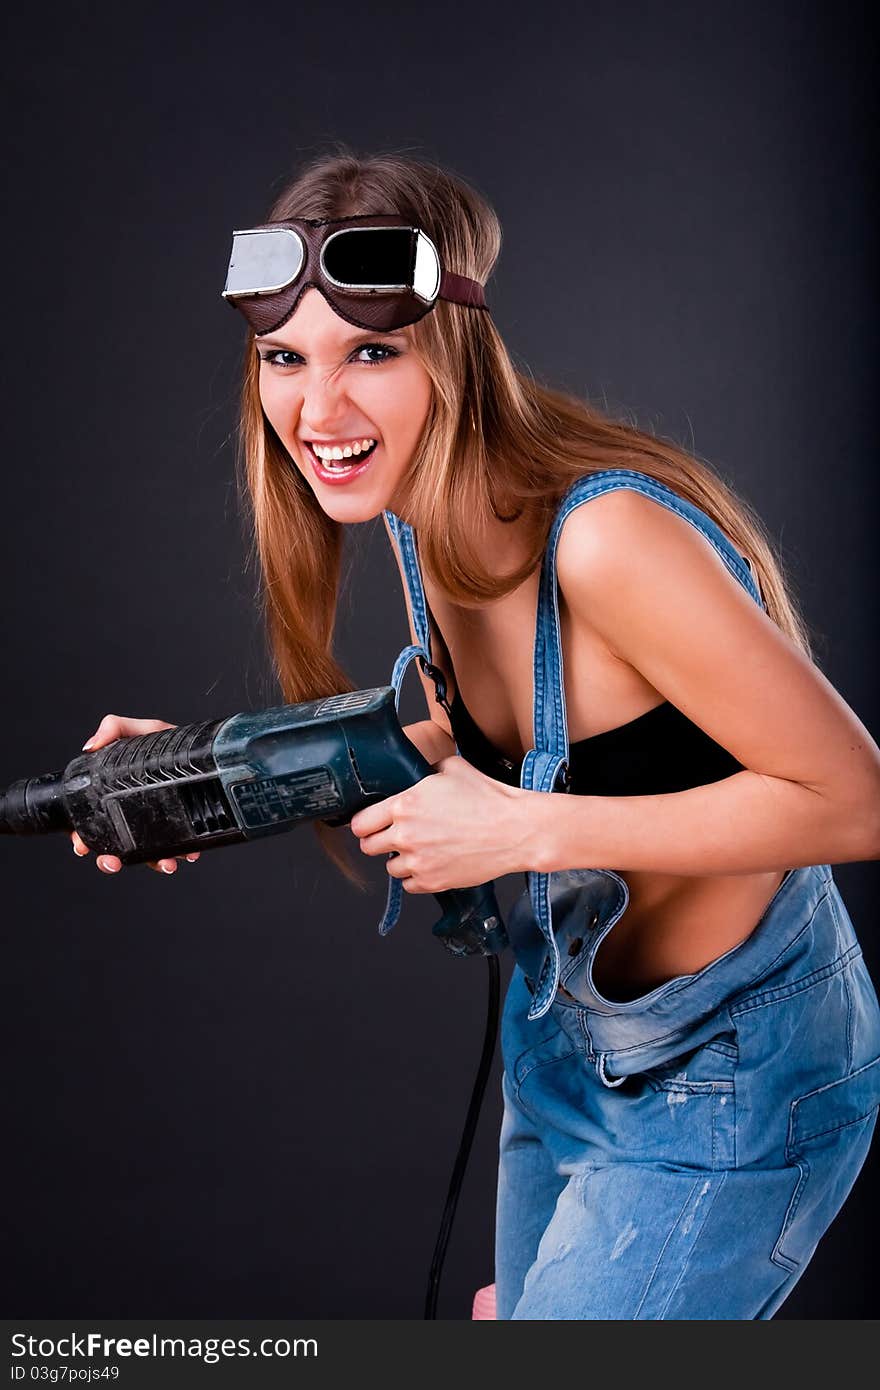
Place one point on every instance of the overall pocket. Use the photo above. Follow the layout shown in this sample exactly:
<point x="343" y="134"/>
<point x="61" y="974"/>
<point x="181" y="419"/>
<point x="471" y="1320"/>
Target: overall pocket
<point x="829" y="1135"/>
<point x="709" y="1064"/>
<point x="697" y="1092"/>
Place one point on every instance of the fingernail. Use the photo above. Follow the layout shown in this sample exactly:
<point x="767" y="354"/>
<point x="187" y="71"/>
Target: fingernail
<point x="191" y="858"/>
<point x="167" y="869"/>
<point x="87" y="746"/>
<point x="109" y="868"/>
<point x="78" y="852"/>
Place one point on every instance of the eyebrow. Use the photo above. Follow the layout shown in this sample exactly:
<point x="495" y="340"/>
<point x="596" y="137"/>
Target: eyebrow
<point x="347" y="342"/>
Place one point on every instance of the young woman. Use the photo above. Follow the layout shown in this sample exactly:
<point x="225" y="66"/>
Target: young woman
<point x="691" y="1041"/>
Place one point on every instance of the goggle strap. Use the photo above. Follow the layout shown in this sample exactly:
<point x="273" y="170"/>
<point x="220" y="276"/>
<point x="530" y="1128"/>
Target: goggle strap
<point x="458" y="289"/>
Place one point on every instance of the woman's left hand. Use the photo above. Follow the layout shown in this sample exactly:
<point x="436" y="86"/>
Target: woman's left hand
<point x="454" y="829"/>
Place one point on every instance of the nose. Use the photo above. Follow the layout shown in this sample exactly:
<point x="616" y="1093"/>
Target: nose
<point x="324" y="402"/>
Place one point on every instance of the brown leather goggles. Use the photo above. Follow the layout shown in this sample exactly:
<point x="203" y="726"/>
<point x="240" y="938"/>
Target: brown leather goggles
<point x="375" y="271"/>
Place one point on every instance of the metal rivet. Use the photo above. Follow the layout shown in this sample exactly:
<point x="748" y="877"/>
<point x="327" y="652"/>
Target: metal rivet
<point x="594" y="917"/>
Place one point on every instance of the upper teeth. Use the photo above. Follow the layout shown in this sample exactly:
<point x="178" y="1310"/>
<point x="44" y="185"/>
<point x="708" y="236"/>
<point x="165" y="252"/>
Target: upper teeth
<point x="343" y="451"/>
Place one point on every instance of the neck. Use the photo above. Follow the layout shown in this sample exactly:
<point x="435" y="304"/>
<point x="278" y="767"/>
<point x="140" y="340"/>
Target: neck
<point x="507" y="544"/>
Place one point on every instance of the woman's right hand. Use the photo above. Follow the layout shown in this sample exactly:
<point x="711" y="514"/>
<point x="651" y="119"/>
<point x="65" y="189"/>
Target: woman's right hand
<point x="111" y="727"/>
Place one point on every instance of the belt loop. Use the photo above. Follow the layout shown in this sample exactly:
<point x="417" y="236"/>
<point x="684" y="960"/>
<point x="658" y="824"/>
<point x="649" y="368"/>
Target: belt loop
<point x="603" y="1075"/>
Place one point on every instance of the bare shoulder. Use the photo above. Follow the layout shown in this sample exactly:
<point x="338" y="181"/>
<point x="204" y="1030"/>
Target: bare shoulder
<point x="624" y="532"/>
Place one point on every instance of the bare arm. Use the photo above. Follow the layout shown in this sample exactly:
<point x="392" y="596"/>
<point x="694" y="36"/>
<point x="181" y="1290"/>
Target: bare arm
<point x="663" y="601"/>
<point x="432" y="742"/>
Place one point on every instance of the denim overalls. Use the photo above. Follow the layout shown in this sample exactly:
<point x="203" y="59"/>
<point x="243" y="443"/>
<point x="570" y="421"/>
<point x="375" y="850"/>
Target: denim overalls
<point x="680" y="1154"/>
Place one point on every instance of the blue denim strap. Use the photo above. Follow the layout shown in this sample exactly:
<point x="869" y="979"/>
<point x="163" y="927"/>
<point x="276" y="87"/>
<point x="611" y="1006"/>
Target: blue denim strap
<point x="405" y="541"/>
<point x="550" y="753"/>
<point x="395" y="888"/>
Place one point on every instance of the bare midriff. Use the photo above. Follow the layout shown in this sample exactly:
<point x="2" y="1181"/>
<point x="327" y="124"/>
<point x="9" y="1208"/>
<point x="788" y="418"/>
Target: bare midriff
<point x="673" y="924"/>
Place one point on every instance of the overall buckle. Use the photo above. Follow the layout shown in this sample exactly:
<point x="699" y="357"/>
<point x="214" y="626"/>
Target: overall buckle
<point x="436" y="675"/>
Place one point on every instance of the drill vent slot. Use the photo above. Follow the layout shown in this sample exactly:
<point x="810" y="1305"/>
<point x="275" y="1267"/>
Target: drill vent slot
<point x="349" y="702"/>
<point x="207" y="807"/>
<point x="166" y="756"/>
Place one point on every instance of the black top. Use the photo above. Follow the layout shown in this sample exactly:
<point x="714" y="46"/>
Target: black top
<point x="660" y="751"/>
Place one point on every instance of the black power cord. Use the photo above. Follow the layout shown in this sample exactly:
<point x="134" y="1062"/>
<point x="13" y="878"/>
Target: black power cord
<point x="467" y="1137"/>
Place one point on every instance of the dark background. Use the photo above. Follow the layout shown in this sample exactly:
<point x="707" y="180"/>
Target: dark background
<point x="224" y="1094"/>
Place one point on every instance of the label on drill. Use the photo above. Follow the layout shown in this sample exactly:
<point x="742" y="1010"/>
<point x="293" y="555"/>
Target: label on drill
<point x="293" y="796"/>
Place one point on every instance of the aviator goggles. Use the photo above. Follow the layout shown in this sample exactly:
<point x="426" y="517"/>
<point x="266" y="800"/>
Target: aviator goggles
<point x="376" y="271"/>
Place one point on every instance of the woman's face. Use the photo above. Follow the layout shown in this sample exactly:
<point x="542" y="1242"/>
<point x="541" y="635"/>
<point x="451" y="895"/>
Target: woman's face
<point x="323" y="381"/>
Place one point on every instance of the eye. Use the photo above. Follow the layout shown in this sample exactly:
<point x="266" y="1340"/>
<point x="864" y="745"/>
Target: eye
<point x="281" y="357"/>
<point x="378" y="347"/>
<point x="274" y="358"/>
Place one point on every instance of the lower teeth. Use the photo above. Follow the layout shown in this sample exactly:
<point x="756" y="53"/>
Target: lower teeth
<point x="344" y="467"/>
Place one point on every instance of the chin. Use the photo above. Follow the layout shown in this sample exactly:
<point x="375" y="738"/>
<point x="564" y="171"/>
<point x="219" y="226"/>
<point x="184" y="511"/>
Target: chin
<point x="355" y="501"/>
<point x="349" y="503"/>
<point x="352" y="511"/>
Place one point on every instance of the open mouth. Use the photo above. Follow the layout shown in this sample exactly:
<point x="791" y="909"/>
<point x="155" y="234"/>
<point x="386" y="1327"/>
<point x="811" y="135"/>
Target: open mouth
<point x="341" y="465"/>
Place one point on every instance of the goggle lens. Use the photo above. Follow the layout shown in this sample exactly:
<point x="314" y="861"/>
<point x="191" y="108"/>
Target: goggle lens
<point x="264" y="262"/>
<point x="370" y="258"/>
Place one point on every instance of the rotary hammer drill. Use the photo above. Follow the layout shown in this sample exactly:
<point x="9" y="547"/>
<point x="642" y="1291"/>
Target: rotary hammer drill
<point x="227" y="781"/>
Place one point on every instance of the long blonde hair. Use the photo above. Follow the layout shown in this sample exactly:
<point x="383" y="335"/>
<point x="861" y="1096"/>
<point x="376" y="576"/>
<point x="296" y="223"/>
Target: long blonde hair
<point x="496" y="443"/>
